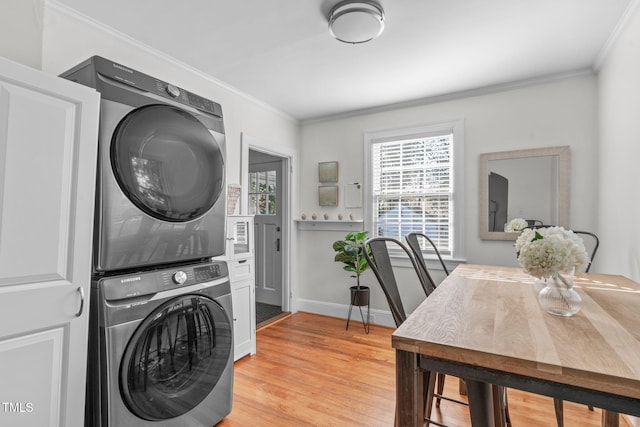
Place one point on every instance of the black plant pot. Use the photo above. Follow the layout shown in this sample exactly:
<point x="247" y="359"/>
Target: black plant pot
<point x="359" y="296"/>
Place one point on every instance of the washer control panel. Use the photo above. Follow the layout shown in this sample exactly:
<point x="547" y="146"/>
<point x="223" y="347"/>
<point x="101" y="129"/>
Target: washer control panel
<point x="145" y="283"/>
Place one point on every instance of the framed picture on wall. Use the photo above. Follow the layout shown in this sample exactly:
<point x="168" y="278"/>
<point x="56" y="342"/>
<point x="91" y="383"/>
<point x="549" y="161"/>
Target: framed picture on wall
<point x="328" y="171"/>
<point x="352" y="196"/>
<point x="328" y="195"/>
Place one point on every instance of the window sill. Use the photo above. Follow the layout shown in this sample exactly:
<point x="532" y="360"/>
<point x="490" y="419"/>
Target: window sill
<point x="432" y="263"/>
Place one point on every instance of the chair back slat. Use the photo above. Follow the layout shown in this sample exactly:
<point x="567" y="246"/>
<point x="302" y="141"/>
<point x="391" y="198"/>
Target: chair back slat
<point x="413" y="240"/>
<point x="591" y="243"/>
<point x="376" y="252"/>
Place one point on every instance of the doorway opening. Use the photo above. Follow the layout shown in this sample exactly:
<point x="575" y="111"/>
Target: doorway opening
<point x="267" y="201"/>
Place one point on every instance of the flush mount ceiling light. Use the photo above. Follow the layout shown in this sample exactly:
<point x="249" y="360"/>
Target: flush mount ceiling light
<point x="356" y="21"/>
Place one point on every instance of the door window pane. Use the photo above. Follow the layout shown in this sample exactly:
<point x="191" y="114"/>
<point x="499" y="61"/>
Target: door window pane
<point x="262" y="193"/>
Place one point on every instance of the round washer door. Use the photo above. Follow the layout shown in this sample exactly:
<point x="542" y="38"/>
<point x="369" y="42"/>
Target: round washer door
<point x="167" y="163"/>
<point x="175" y="357"/>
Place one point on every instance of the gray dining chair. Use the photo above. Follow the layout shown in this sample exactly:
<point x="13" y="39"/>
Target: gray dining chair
<point x="418" y="242"/>
<point x="376" y="252"/>
<point x="534" y="222"/>
<point x="591" y="244"/>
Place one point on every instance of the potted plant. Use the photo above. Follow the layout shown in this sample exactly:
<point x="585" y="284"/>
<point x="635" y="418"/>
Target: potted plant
<point x="349" y="251"/>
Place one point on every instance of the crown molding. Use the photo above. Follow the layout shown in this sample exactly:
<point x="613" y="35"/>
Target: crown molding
<point x="632" y="7"/>
<point x="485" y="90"/>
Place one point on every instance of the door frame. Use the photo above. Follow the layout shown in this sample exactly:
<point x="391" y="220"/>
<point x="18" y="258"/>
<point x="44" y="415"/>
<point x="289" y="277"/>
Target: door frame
<point x="288" y="159"/>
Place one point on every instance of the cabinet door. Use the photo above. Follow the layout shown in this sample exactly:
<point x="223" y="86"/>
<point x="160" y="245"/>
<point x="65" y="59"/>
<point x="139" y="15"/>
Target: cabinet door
<point x="244" y="320"/>
<point x="240" y="231"/>
<point x="48" y="146"/>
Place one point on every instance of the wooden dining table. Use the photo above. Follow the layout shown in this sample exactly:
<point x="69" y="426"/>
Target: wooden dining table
<point x="484" y="324"/>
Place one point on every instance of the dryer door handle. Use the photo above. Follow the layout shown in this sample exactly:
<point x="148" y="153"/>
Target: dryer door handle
<point x="81" y="292"/>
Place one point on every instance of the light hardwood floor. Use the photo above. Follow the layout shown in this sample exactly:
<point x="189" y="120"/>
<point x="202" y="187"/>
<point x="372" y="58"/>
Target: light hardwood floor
<point x="309" y="371"/>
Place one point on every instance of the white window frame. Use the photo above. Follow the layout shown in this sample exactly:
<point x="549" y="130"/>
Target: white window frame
<point x="455" y="126"/>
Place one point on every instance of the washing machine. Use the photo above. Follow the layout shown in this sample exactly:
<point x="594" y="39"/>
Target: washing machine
<point x="161" y="193"/>
<point x="161" y="348"/>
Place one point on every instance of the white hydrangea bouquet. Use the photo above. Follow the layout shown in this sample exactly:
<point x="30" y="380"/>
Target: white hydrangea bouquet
<point x="516" y="225"/>
<point x="547" y="251"/>
<point x="554" y="254"/>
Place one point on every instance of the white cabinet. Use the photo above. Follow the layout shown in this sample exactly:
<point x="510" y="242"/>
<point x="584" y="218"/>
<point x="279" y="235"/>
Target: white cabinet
<point x="239" y="256"/>
<point x="244" y="328"/>
<point x="48" y="146"/>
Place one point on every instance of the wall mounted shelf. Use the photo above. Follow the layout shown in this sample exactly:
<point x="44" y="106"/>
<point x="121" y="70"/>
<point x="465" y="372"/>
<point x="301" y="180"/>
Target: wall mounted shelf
<point x="329" y="225"/>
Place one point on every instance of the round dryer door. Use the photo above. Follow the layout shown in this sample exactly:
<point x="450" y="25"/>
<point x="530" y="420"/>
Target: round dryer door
<point x="175" y="357"/>
<point x="167" y="163"/>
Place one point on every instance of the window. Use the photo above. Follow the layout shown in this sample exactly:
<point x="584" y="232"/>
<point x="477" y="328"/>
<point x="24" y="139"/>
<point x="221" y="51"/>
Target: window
<point x="415" y="178"/>
<point x="262" y="193"/>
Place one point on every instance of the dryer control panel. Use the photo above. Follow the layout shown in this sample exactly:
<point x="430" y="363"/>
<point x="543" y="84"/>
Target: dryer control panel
<point x="151" y="282"/>
<point x="91" y="71"/>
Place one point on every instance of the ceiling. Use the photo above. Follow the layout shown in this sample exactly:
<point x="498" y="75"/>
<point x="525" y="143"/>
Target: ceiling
<point x="280" y="51"/>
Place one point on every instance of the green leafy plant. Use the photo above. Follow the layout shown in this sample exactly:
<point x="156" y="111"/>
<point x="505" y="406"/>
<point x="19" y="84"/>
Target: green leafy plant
<point x="349" y="251"/>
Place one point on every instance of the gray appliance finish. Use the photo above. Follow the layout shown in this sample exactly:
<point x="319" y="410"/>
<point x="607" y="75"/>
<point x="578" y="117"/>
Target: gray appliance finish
<point x="161" y="193"/>
<point x="161" y="348"/>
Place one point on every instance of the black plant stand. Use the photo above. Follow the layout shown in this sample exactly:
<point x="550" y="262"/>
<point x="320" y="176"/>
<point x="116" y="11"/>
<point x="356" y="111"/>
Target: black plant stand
<point x="359" y="298"/>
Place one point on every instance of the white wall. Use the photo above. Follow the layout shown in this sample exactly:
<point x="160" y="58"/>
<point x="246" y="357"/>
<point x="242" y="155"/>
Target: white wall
<point x="21" y="31"/>
<point x="619" y="207"/>
<point x="550" y="114"/>
<point x="619" y="151"/>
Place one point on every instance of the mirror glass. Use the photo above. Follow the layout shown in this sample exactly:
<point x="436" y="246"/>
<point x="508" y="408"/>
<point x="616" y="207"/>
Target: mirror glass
<point x="529" y="184"/>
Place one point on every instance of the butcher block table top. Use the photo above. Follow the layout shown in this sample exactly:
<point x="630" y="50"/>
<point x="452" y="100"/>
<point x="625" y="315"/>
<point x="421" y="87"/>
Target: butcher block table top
<point x="489" y="317"/>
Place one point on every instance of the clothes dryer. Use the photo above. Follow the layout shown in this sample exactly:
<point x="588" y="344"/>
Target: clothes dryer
<point x="161" y="348"/>
<point x="161" y="193"/>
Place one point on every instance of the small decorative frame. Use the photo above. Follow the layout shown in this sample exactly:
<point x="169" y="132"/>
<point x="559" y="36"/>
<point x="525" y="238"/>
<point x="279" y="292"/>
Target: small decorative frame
<point x="328" y="195"/>
<point x="328" y="172"/>
<point x="352" y="196"/>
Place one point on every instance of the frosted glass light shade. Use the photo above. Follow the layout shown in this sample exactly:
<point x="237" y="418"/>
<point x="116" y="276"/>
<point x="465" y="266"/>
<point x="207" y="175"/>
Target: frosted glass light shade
<point x="356" y="21"/>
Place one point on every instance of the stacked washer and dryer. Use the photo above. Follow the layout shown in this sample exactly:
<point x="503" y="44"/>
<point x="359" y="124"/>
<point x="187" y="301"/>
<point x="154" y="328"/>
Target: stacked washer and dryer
<point x="160" y="334"/>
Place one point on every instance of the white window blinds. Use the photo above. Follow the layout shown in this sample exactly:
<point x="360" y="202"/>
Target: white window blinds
<point x="412" y="188"/>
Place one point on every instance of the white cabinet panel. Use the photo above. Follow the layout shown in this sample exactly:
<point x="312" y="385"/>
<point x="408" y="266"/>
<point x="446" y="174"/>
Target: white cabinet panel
<point x="48" y="146"/>
<point x="242" y="269"/>
<point x="32" y="369"/>
<point x="244" y="327"/>
<point x="35" y="184"/>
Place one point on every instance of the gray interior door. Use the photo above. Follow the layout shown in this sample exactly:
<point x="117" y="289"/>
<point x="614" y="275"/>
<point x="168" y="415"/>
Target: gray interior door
<point x="265" y="202"/>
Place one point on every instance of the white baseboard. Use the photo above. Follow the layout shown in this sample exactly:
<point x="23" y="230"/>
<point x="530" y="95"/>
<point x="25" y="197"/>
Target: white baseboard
<point x="376" y="316"/>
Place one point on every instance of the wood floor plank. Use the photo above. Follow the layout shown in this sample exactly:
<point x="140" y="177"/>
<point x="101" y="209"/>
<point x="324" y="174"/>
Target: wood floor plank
<point x="310" y="371"/>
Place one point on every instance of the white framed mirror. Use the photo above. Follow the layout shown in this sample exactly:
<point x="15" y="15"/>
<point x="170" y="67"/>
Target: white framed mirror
<point x="529" y="184"/>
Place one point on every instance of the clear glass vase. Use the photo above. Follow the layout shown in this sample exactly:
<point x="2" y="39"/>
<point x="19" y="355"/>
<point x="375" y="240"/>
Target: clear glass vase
<point x="558" y="296"/>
